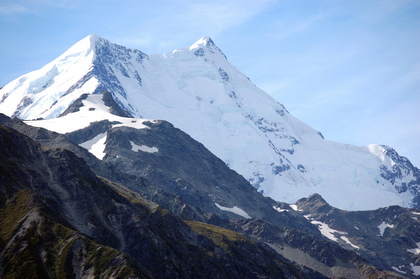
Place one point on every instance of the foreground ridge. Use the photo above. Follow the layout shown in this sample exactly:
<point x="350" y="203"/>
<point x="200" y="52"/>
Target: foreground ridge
<point x="66" y="213"/>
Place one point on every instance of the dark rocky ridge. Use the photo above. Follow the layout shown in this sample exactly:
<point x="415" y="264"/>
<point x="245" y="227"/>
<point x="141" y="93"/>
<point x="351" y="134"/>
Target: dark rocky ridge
<point x="74" y="200"/>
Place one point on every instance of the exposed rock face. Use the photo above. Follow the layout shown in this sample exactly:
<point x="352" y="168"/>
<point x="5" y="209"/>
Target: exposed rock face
<point x="399" y="170"/>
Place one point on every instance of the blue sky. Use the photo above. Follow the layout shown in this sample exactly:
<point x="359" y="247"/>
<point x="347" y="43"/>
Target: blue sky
<point x="350" y="69"/>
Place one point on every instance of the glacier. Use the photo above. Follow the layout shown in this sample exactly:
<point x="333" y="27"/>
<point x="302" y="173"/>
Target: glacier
<point x="199" y="91"/>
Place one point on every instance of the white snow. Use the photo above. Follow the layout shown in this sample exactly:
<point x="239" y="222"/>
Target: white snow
<point x="415" y="251"/>
<point x="144" y="148"/>
<point x="200" y="43"/>
<point x="383" y="226"/>
<point x="348" y="242"/>
<point x="235" y="210"/>
<point x="96" y="146"/>
<point x="398" y="270"/>
<point x="47" y="87"/>
<point x="294" y="207"/>
<point x="331" y="233"/>
<point x="416" y="269"/>
<point x="280" y="209"/>
<point x="326" y="230"/>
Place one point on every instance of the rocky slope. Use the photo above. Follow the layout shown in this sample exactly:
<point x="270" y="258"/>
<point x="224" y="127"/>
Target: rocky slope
<point x="59" y="220"/>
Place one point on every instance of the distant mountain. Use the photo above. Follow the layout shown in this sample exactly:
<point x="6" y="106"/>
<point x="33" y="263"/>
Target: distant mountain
<point x="199" y="91"/>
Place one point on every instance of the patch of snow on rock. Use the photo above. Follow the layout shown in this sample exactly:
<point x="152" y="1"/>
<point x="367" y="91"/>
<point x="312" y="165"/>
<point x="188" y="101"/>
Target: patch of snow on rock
<point x="398" y="270"/>
<point x="235" y="210"/>
<point x="383" y="226"/>
<point x="415" y="251"/>
<point x="416" y="269"/>
<point x="144" y="148"/>
<point x="295" y="208"/>
<point x="280" y="209"/>
<point x="346" y="240"/>
<point x="326" y="230"/>
<point x="330" y="233"/>
<point x="96" y="146"/>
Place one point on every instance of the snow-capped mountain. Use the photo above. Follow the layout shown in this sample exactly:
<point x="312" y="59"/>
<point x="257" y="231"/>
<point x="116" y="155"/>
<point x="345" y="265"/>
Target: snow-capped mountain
<point x="200" y="92"/>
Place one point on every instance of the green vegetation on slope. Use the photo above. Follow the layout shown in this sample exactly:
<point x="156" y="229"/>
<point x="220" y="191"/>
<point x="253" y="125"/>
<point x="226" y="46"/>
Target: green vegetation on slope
<point x="45" y="248"/>
<point x="223" y="238"/>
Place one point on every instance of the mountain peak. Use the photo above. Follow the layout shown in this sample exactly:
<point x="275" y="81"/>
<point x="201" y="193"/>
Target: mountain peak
<point x="205" y="43"/>
<point x="94" y="37"/>
<point x="84" y="45"/>
<point x="315" y="201"/>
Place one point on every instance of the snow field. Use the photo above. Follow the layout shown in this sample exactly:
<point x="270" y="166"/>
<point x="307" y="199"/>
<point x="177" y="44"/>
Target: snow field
<point x="331" y="233"/>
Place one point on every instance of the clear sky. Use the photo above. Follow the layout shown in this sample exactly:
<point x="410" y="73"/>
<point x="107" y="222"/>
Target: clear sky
<point x="350" y="69"/>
